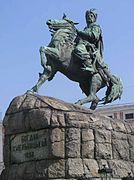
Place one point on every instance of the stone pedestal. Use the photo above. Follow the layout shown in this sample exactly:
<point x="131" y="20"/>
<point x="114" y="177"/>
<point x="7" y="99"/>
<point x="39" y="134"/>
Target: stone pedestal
<point x="46" y="138"/>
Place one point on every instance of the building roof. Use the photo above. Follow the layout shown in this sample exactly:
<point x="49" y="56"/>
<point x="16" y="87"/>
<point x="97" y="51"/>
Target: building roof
<point x="116" y="107"/>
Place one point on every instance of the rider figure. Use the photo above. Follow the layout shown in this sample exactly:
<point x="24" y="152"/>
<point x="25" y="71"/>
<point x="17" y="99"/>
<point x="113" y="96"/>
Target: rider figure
<point x="89" y="44"/>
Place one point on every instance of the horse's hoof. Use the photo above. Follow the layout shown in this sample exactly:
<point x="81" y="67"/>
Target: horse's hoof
<point x="78" y="102"/>
<point x="30" y="92"/>
<point x="42" y="49"/>
<point x="93" y="105"/>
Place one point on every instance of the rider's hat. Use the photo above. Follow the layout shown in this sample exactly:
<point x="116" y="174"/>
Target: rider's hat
<point x="93" y="11"/>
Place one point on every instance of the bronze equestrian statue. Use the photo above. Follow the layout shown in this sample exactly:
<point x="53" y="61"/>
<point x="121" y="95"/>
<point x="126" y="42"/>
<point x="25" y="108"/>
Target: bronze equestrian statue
<point x="79" y="56"/>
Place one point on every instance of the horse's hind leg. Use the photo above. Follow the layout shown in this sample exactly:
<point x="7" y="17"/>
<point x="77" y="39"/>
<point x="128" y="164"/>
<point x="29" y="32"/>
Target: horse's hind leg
<point x="90" y="98"/>
<point x="47" y="73"/>
<point x="91" y="94"/>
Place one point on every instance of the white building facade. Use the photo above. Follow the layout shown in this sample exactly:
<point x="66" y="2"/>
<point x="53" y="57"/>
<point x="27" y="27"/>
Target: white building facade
<point x="123" y="112"/>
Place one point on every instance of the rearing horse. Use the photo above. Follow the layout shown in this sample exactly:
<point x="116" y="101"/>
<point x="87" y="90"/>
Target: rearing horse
<point x="59" y="56"/>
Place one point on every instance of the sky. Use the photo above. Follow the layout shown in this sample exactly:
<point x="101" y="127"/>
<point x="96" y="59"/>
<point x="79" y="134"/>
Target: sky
<point x="23" y="30"/>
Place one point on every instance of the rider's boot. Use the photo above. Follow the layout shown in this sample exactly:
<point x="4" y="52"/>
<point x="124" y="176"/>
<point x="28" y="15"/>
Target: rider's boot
<point x="88" y="66"/>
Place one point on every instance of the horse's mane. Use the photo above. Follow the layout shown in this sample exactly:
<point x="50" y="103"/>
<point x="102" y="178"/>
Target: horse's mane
<point x="64" y="36"/>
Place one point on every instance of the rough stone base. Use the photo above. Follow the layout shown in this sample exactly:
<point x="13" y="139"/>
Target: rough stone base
<point x="46" y="138"/>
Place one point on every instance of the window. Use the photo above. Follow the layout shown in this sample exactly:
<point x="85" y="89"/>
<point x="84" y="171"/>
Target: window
<point x="115" y="115"/>
<point x="121" y="115"/>
<point x="110" y="116"/>
<point x="129" y="116"/>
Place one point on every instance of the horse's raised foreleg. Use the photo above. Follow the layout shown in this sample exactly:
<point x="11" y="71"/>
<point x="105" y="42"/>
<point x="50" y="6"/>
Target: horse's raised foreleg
<point x="42" y="56"/>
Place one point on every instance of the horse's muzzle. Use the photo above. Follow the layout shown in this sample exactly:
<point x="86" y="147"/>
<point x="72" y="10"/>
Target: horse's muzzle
<point x="48" y="22"/>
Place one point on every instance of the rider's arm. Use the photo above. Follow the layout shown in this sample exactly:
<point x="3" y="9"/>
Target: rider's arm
<point x="91" y="34"/>
<point x="96" y="31"/>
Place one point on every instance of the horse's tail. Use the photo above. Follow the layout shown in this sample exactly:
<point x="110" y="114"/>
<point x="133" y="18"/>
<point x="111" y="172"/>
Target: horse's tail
<point x="114" y="90"/>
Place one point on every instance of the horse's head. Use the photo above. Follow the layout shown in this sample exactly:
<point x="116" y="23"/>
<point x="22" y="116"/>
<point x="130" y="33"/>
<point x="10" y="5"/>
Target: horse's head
<point x="61" y="23"/>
